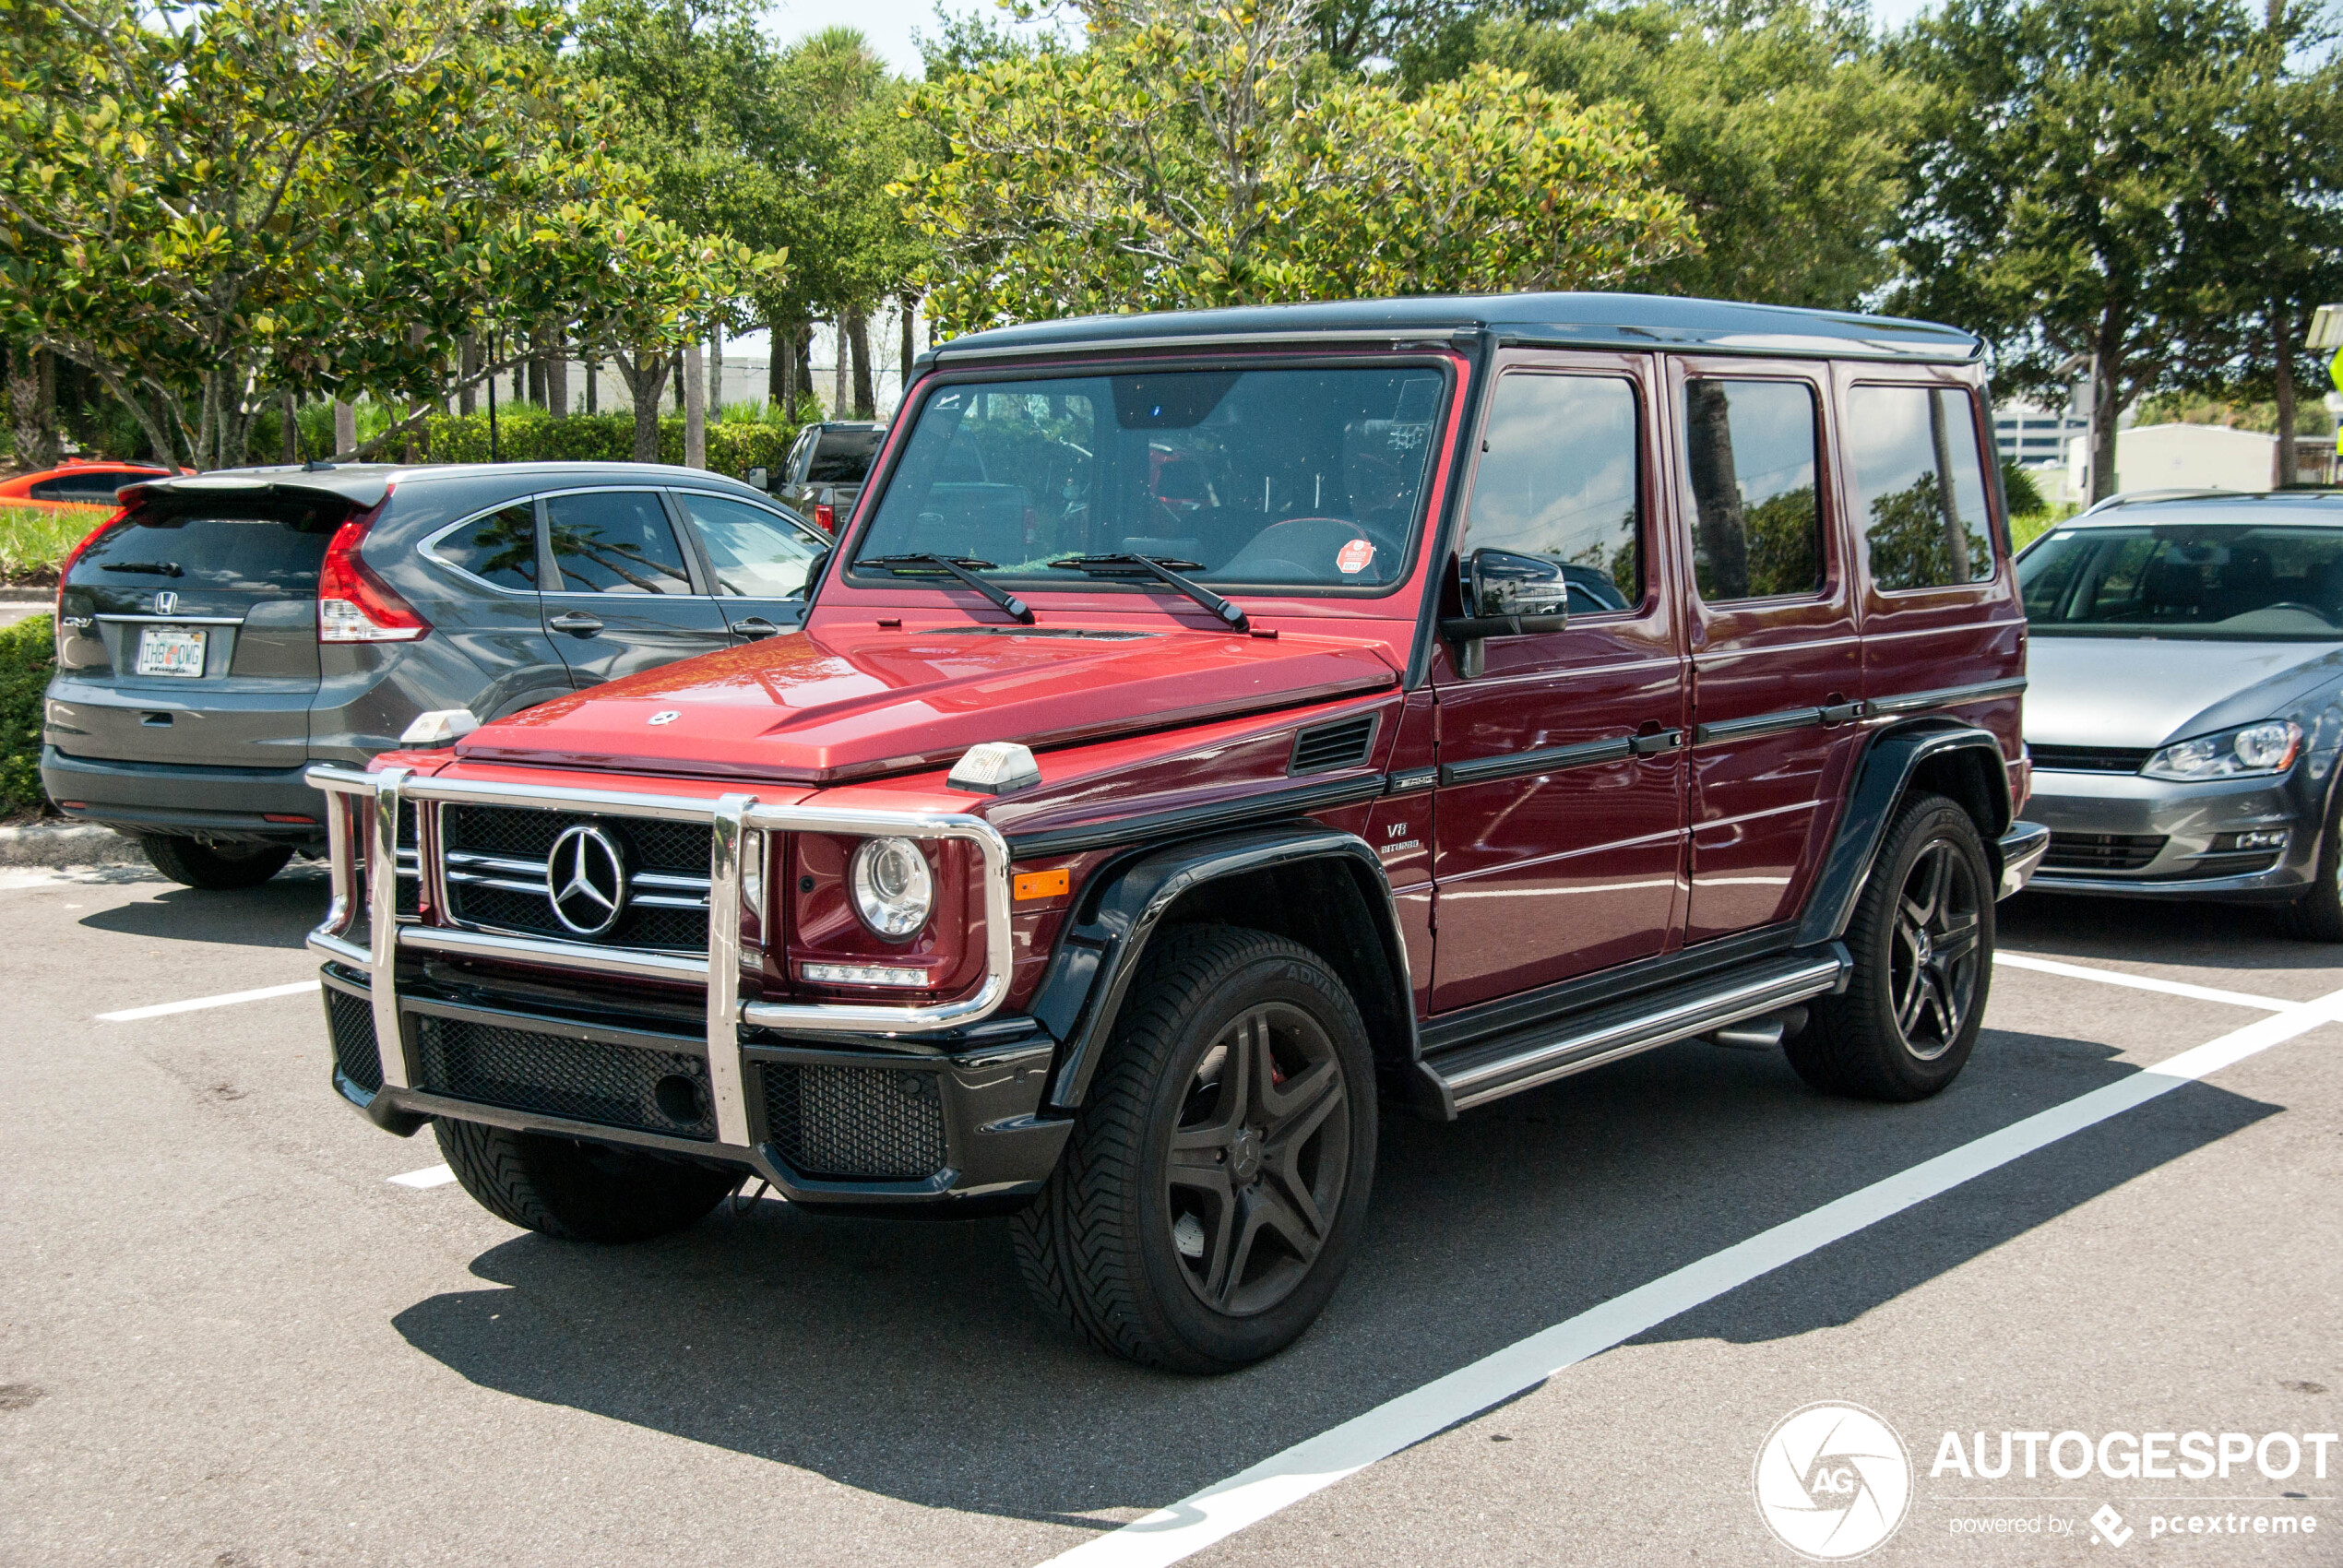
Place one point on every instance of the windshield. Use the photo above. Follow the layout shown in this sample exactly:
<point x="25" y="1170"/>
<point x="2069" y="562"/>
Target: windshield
<point x="1291" y="478"/>
<point x="2223" y="580"/>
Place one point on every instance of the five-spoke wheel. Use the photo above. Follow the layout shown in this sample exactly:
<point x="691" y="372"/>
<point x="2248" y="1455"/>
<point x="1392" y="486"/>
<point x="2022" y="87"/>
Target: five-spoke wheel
<point x="1211" y="1191"/>
<point x="1932" y="965"/>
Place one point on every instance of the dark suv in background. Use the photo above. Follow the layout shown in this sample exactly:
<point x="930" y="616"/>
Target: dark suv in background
<point x="823" y="474"/>
<point x="230" y="628"/>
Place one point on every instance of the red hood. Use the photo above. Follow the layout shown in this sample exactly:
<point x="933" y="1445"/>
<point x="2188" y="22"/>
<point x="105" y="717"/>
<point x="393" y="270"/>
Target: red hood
<point x="836" y="704"/>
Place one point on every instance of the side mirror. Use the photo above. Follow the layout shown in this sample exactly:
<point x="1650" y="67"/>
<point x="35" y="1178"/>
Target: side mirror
<point x="1505" y="595"/>
<point x="820" y="564"/>
<point x="757" y="478"/>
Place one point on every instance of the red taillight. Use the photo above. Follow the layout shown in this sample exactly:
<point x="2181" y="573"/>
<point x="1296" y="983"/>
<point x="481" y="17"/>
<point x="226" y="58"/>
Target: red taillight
<point x="353" y="604"/>
<point x="826" y="517"/>
<point x="66" y="570"/>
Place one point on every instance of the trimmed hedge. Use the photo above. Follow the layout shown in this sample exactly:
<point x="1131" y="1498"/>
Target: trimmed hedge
<point x="28" y="657"/>
<point x="528" y="434"/>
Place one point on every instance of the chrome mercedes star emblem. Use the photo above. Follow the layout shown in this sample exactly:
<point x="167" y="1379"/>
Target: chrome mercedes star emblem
<point x="586" y="880"/>
<point x="666" y="715"/>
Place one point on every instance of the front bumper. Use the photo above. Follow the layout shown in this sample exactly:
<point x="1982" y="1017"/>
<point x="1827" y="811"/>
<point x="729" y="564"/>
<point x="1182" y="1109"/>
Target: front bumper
<point x="839" y="1103"/>
<point x="2123" y="834"/>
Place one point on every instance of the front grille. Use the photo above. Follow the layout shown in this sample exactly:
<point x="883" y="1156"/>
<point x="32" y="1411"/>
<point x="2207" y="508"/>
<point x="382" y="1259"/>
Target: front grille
<point x="2101" y="851"/>
<point x="580" y="1080"/>
<point x="855" y="1123"/>
<point x="1342" y="743"/>
<point x="2090" y="759"/>
<point x="495" y="860"/>
<point x="410" y="900"/>
<point x="350" y="1020"/>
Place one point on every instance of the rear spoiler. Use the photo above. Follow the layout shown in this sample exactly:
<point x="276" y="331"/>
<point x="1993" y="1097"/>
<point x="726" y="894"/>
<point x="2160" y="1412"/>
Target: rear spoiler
<point x="360" y="490"/>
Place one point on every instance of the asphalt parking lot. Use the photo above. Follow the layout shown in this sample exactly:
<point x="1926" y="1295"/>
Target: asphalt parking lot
<point x="229" y="1336"/>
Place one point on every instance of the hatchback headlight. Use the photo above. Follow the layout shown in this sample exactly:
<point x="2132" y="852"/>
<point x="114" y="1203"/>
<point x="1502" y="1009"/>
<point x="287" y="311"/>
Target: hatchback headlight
<point x="2248" y="752"/>
<point x="893" y="890"/>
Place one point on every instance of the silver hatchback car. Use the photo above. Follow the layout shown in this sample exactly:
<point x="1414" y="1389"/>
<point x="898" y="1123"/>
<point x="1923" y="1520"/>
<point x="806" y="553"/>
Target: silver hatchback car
<point x="2186" y="710"/>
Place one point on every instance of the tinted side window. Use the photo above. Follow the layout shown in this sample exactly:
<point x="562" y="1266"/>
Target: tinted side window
<point x="615" y="541"/>
<point x="843" y="457"/>
<point x="755" y="554"/>
<point x="1920" y="488"/>
<point x="95" y="488"/>
<point x="500" y="548"/>
<point x="1757" y="529"/>
<point x="1560" y="477"/>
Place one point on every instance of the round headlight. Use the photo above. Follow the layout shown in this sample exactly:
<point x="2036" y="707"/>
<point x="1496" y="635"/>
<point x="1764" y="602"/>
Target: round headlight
<point x="893" y="891"/>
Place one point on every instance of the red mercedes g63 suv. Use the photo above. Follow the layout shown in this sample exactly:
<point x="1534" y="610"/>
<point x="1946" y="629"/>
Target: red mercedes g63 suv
<point x="1212" y="728"/>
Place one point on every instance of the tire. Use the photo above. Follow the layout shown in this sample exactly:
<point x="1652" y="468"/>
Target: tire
<point x="579" y="1192"/>
<point x="216" y="869"/>
<point x="2317" y="915"/>
<point x="1201" y="1217"/>
<point x="1909" y="1018"/>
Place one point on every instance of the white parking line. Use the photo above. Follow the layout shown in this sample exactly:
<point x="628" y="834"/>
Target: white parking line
<point x="131" y="1015"/>
<point x="435" y="1176"/>
<point x="2140" y="982"/>
<point x="1221" y="1509"/>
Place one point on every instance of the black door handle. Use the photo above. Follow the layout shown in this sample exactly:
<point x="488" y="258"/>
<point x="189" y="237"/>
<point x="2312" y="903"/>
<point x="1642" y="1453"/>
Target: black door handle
<point x="576" y="622"/>
<point x="756" y="628"/>
<point x="1650" y="746"/>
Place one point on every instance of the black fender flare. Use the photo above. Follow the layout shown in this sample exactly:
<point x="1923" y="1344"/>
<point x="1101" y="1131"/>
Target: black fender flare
<point x="1101" y="947"/>
<point x="1885" y="772"/>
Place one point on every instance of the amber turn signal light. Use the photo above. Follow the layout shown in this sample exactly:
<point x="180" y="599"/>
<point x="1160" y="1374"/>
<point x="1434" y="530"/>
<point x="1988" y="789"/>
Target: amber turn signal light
<point x="1041" y="885"/>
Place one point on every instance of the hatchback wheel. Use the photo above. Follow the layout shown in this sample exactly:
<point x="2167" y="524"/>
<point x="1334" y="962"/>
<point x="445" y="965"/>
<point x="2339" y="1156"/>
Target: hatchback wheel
<point x="1211" y="1191"/>
<point x="216" y="867"/>
<point x="1922" y="941"/>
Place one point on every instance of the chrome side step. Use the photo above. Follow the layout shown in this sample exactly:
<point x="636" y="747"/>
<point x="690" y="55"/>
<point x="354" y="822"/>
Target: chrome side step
<point x="1475" y="1075"/>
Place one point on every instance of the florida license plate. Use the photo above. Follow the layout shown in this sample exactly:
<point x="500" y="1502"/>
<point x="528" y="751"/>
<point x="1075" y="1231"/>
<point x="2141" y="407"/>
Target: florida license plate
<point x="170" y="650"/>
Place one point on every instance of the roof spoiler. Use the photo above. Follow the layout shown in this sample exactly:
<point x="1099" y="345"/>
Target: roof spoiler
<point x="360" y="490"/>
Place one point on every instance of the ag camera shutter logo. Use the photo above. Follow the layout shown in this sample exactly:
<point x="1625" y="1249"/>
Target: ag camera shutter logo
<point x="1833" y="1482"/>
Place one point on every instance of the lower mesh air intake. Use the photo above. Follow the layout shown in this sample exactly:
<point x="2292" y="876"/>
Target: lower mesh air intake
<point x="855" y="1123"/>
<point x="350" y="1020"/>
<point x="578" y="1080"/>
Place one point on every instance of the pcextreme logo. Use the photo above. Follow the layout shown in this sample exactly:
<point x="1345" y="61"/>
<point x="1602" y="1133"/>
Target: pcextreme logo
<point x="1833" y="1482"/>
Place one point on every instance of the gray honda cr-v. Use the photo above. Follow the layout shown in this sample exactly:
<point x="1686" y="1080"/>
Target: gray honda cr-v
<point x="230" y="628"/>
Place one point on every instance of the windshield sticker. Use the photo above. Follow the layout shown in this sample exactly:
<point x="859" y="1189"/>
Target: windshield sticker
<point x="1353" y="558"/>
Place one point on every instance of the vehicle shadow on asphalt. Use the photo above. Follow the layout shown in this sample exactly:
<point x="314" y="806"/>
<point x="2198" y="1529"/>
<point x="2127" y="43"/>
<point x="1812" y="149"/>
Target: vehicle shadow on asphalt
<point x="278" y="913"/>
<point x="2239" y="937"/>
<point x="902" y="1359"/>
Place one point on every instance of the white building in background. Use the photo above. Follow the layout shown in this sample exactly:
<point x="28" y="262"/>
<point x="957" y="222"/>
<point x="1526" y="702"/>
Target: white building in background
<point x="2203" y="457"/>
<point x="2031" y="435"/>
<point x="746" y="373"/>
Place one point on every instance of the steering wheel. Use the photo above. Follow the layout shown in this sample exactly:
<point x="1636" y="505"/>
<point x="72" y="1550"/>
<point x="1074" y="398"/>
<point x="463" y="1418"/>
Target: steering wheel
<point x="1385" y="543"/>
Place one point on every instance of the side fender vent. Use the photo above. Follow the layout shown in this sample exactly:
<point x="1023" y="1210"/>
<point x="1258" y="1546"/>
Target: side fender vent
<point x="1342" y="743"/>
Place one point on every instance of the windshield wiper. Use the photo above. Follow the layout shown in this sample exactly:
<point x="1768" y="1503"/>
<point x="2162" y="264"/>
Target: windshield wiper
<point x="153" y="568"/>
<point x="964" y="567"/>
<point x="1160" y="567"/>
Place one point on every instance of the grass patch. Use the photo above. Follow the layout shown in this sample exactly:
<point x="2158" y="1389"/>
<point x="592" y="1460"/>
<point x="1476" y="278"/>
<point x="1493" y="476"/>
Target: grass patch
<point x="35" y="538"/>
<point x="2026" y="527"/>
<point x="28" y="657"/>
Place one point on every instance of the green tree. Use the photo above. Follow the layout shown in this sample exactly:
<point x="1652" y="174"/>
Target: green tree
<point x="1193" y="155"/>
<point x="2062" y="192"/>
<point x="210" y="206"/>
<point x="1778" y="122"/>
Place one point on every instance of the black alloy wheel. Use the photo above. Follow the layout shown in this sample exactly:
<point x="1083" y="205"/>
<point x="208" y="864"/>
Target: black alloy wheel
<point x="1921" y="937"/>
<point x="1218" y="1173"/>
<point x="1932" y="965"/>
<point x="1259" y="1159"/>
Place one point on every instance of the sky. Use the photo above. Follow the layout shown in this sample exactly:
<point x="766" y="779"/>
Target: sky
<point x="889" y="24"/>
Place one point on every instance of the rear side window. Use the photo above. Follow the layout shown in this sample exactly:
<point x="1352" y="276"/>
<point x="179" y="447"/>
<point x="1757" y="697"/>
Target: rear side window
<point x="97" y="488"/>
<point x="500" y="548"/>
<point x="843" y="457"/>
<point x="1559" y="477"/>
<point x="257" y="546"/>
<point x="1919" y="486"/>
<point x="1758" y="528"/>
<point x="756" y="553"/>
<point x="615" y="541"/>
